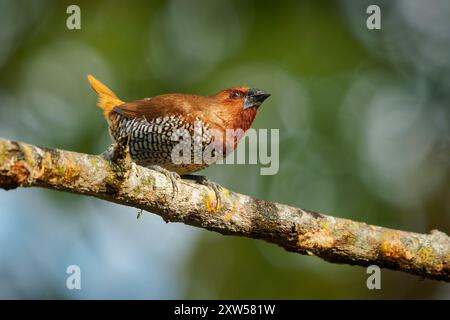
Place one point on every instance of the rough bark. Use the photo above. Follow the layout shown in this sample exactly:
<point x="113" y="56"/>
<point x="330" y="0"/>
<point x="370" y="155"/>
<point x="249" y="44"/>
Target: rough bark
<point x="121" y="181"/>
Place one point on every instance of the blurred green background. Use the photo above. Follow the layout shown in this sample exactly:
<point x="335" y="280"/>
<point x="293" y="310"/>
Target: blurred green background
<point x="364" y="119"/>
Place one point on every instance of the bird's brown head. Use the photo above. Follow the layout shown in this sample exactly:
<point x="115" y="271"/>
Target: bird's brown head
<point x="238" y="106"/>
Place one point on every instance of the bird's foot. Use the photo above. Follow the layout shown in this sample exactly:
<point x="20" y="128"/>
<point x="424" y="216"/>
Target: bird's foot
<point x="203" y="180"/>
<point x="173" y="176"/>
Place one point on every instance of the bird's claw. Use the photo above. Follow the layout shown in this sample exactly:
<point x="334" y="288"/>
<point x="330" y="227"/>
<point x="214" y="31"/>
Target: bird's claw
<point x="217" y="191"/>
<point x="217" y="188"/>
<point x="173" y="176"/>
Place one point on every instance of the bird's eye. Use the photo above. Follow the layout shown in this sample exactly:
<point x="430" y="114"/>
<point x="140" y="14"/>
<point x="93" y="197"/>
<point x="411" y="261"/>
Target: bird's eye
<point x="236" y="94"/>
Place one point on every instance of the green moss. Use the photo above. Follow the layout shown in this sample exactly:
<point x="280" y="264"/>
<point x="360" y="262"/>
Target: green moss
<point x="427" y="255"/>
<point x="111" y="179"/>
<point x="148" y="181"/>
<point x="3" y="151"/>
<point x="62" y="169"/>
<point x="324" y="223"/>
<point x="28" y="155"/>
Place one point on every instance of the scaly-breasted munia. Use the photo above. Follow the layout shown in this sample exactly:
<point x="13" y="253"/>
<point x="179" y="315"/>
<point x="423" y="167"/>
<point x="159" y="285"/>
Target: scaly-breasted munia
<point x="150" y="125"/>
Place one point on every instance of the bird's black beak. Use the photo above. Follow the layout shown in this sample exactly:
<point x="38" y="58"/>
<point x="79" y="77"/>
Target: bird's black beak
<point x="255" y="97"/>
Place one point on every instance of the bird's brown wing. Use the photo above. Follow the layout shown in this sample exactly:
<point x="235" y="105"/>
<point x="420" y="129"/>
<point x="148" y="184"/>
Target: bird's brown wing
<point x="159" y="106"/>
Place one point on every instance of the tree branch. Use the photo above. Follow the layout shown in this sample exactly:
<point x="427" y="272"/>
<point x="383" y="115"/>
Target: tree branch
<point x="298" y="230"/>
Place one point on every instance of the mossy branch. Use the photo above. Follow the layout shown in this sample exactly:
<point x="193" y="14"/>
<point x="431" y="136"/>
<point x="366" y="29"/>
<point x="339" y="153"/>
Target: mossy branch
<point x="333" y="239"/>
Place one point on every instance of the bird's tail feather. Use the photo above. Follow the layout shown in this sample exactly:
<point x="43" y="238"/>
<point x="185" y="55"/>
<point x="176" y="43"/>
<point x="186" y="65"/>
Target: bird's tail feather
<point x="107" y="99"/>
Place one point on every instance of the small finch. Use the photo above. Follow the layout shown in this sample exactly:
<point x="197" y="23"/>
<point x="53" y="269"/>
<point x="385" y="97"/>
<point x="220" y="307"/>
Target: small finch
<point x="153" y="126"/>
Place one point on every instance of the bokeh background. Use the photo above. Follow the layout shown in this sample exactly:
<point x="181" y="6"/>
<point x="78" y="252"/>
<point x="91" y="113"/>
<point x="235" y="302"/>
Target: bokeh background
<point x="364" y="119"/>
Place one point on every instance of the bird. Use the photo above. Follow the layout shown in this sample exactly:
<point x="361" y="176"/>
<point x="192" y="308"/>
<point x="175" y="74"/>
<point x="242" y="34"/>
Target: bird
<point x="153" y="127"/>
